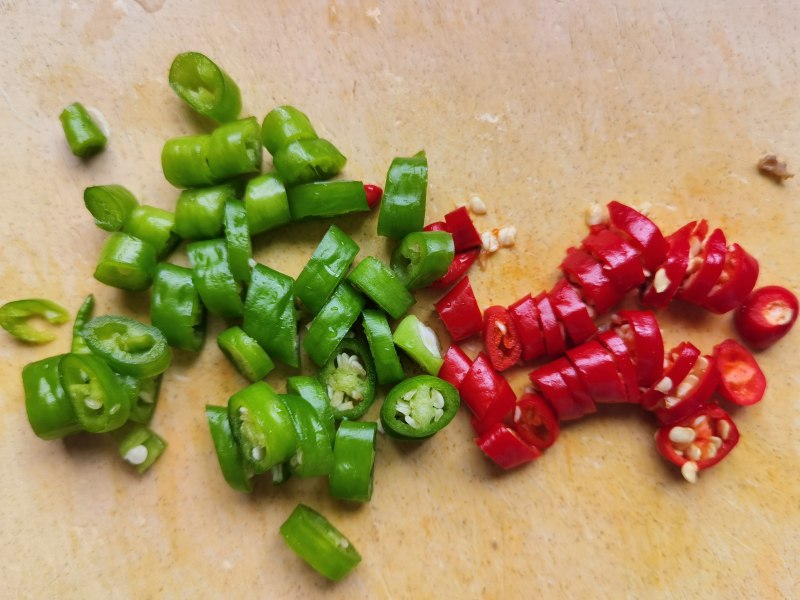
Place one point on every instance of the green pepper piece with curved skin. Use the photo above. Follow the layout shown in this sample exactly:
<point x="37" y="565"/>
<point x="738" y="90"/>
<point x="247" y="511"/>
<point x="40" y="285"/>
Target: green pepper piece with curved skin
<point x="126" y="262"/>
<point x="420" y="343"/>
<point x="283" y="125"/>
<point x="155" y="226"/>
<point x="320" y="544"/>
<point x="212" y="276"/>
<point x="110" y="205"/>
<point x="84" y="136"/>
<point x="229" y="454"/>
<point x="176" y="308"/>
<point x="205" y="87"/>
<point x="262" y="425"/>
<point x="184" y="161"/>
<point x="381" y="345"/>
<point x="353" y="461"/>
<point x="266" y="203"/>
<point x="422" y="257"/>
<point x="349" y="379"/>
<point x="247" y="356"/>
<point x="314" y="454"/>
<point x="200" y="213"/>
<point x="325" y="269"/>
<point x="404" y="197"/>
<point x="143" y="395"/>
<point x="418" y="407"/>
<point x="128" y="346"/>
<point x="303" y="161"/>
<point x="377" y="282"/>
<point x="83" y="316"/>
<point x="332" y="323"/>
<point x="312" y="391"/>
<point x="235" y="149"/>
<point x="141" y="447"/>
<point x="98" y="399"/>
<point x="269" y="314"/>
<point x="323" y="199"/>
<point x="15" y="316"/>
<point x="49" y="410"/>
<point x="237" y="238"/>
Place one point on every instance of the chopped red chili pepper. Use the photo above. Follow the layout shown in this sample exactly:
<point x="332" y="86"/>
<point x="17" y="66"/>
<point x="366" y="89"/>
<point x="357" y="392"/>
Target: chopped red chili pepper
<point x="374" y="194"/>
<point x="737" y="280"/>
<point x="459" y="223"/>
<point x="486" y="392"/>
<point x="642" y="336"/>
<point x="455" y="366"/>
<point x="766" y="316"/>
<point x="622" y="357"/>
<point x="580" y="393"/>
<point x="500" y="338"/>
<point x="705" y="267"/>
<point x="526" y="320"/>
<point x="596" y="288"/>
<point x="598" y="372"/>
<point x="572" y="312"/>
<point x="691" y="393"/>
<point x="641" y="232"/>
<point x="666" y="280"/>
<point x="741" y="379"/>
<point x="459" y="311"/>
<point x="549" y="382"/>
<point x="552" y="332"/>
<point x="535" y="422"/>
<point x="462" y="261"/>
<point x="678" y="363"/>
<point x="506" y="448"/>
<point x="436" y="226"/>
<point x="620" y="259"/>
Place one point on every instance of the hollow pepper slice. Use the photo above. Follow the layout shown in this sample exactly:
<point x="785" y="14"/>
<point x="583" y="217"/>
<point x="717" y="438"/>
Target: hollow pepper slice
<point x="535" y="422"/>
<point x="305" y="161"/>
<point x="455" y="366"/>
<point x="741" y="379"/>
<point x="269" y="314"/>
<point x="549" y="382"/>
<point x="486" y="393"/>
<point x="205" y="87"/>
<point x="266" y="203"/>
<point x="15" y="317"/>
<point x="84" y="136"/>
<point x="213" y="278"/>
<point x="324" y="199"/>
<point x="47" y="405"/>
<point x="419" y="407"/>
<point x="500" y="338"/>
<point x="766" y="316"/>
<point x="247" y="356"/>
<point x="677" y="365"/>
<point x="587" y="272"/>
<point x="382" y="286"/>
<point x="694" y="391"/>
<point x="200" y="213"/>
<point x="552" y="330"/>
<point x="314" y="393"/>
<point x="598" y="372"/>
<point x="349" y="378"/>
<point x="459" y="311"/>
<point x="128" y="346"/>
<point x="581" y="395"/>
<point x="506" y="448"/>
<point x="283" y="125"/>
<point x="110" y="205"/>
<point x="623" y="359"/>
<point x="126" y="262"/>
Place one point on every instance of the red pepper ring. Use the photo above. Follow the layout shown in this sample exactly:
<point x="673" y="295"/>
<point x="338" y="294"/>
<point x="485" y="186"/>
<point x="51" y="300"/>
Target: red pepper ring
<point x="572" y="312"/>
<point x="548" y="381"/>
<point x="486" y="392"/>
<point x="459" y="223"/>
<point x="506" y="448"/>
<point x="554" y="342"/>
<point x="641" y="232"/>
<point x="742" y="380"/>
<point x="704" y="270"/>
<point x="459" y="311"/>
<point x="526" y="320"/>
<point x="462" y="261"/>
<point x="666" y="280"/>
<point x="596" y="368"/>
<point x="500" y="338"/>
<point x="580" y="395"/>
<point x="455" y="366"/>
<point x="766" y="316"/>
<point x="642" y="336"/>
<point x="698" y="442"/>
<point x="620" y="259"/>
<point x="586" y="271"/>
<point x="738" y="279"/>
<point x="622" y="357"/>
<point x="692" y="393"/>
<point x="680" y="361"/>
<point x="535" y="422"/>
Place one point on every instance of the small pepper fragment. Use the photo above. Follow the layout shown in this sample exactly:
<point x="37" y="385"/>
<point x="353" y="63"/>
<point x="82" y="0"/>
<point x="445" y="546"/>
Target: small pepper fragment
<point x="141" y="447"/>
<point x="83" y="316"/>
<point x="419" y="407"/>
<point x="144" y="397"/>
<point x="84" y="136"/>
<point x="237" y="239"/>
<point x="459" y="223"/>
<point x="535" y="422"/>
<point x="374" y="194"/>
<point x="353" y="461"/>
<point x="47" y="405"/>
<point x="462" y="261"/>
<point x="506" y="448"/>
<point x="15" y="317"/>
<point x="459" y="311"/>
<point x="247" y="356"/>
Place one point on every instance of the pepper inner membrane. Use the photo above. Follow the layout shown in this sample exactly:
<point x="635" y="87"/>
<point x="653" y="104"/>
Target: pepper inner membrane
<point x="420" y="407"/>
<point x="346" y="382"/>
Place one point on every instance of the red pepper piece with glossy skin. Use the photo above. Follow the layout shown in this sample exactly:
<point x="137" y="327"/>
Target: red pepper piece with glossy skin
<point x="572" y="312"/>
<point x="459" y="311"/>
<point x="459" y="223"/>
<point x="580" y="394"/>
<point x="766" y="316"/>
<point x="486" y="392"/>
<point x="374" y="194"/>
<point x="535" y="422"/>
<point x="620" y="259"/>
<point x="500" y="338"/>
<point x="549" y="382"/>
<point x="436" y="226"/>
<point x="741" y="379"/>
<point x="596" y="288"/>
<point x="738" y="279"/>
<point x="552" y="333"/>
<point x="455" y="366"/>
<point x="694" y="391"/>
<point x="598" y="372"/>
<point x="642" y="336"/>
<point x="462" y="261"/>
<point x="622" y="357"/>
<point x="641" y="232"/>
<point x="680" y="361"/>
<point x="704" y="269"/>
<point x="526" y="320"/>
<point x="704" y="438"/>
<point x="666" y="280"/>
<point x="506" y="448"/>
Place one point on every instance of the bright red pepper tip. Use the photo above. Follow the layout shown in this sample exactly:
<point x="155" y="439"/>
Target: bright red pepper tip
<point x="741" y="379"/>
<point x="374" y="194"/>
<point x="768" y="314"/>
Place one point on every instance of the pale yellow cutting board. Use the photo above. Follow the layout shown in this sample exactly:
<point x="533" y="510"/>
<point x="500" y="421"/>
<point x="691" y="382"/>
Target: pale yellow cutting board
<point x="539" y="108"/>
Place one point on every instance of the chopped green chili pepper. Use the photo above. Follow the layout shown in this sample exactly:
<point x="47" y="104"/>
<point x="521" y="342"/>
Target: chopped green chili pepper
<point x="205" y="87"/>
<point x="176" y="308"/>
<point x="313" y="392"/>
<point x="353" y="461"/>
<point x="98" y="399"/>
<point x="420" y="342"/>
<point x="213" y="278"/>
<point x="312" y="537"/>
<point x="126" y="262"/>
<point x="266" y="203"/>
<point x="283" y="125"/>
<point x="326" y="269"/>
<point x="141" y="447"/>
<point x="184" y="161"/>
<point x="403" y="205"/>
<point x="314" y="454"/>
<point x="83" y="135"/>
<point x="247" y="356"/>
<point x="155" y="226"/>
<point x="235" y="149"/>
<point x="322" y="199"/>
<point x="262" y="425"/>
<point x="15" y="317"/>
<point x="229" y="455"/>
<point x="419" y="407"/>
<point x="200" y="213"/>
<point x="423" y="257"/>
<point x="237" y="238"/>
<point x="50" y="411"/>
<point x="377" y="281"/>
<point x="83" y="316"/>
<point x="128" y="346"/>
<point x="332" y="323"/>
<point x="349" y="379"/>
<point x="269" y="314"/>
<point x="145" y="398"/>
<point x="381" y="345"/>
<point x="303" y="161"/>
<point x="110" y="205"/>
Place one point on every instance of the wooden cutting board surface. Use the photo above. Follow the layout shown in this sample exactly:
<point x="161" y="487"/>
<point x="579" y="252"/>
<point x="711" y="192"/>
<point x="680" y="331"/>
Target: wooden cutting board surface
<point x="539" y="108"/>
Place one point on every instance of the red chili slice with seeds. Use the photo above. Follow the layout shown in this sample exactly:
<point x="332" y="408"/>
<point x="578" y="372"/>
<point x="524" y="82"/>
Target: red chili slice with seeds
<point x="679" y="362"/>
<point x="766" y="316"/>
<point x="705" y="267"/>
<point x="666" y="280"/>
<point x="693" y="392"/>
<point x="500" y="338"/>
<point x="742" y="380"/>
<point x="737" y="280"/>
<point x="572" y="312"/>
<point x="535" y="422"/>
